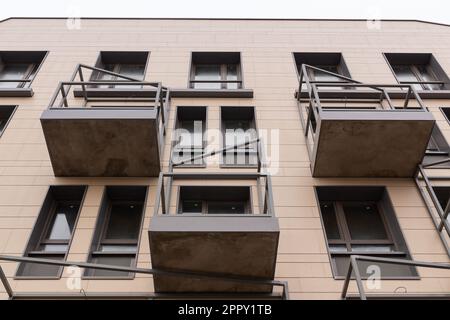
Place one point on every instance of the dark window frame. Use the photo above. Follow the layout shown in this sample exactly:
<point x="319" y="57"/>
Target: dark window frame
<point x="120" y="58"/>
<point x="202" y="110"/>
<point x="10" y="116"/>
<point x="320" y="59"/>
<point x="251" y="114"/>
<point x="394" y="232"/>
<point x="249" y="208"/>
<point x="413" y="60"/>
<point x="218" y="59"/>
<point x="34" y="59"/>
<point x="101" y="227"/>
<point x="41" y="227"/>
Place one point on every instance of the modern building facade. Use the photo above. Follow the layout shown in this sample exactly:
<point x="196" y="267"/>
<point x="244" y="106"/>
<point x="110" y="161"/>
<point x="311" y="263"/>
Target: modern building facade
<point x="193" y="158"/>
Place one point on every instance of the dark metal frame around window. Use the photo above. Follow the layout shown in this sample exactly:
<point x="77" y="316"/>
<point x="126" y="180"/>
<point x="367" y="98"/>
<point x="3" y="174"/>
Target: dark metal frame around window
<point x="114" y="61"/>
<point x="207" y="195"/>
<point x="248" y="152"/>
<point x="330" y="61"/>
<point x="116" y="195"/>
<point x="375" y="197"/>
<point x="414" y="62"/>
<point x="56" y="195"/>
<point x="178" y="153"/>
<point x="6" y="114"/>
<point x="222" y="61"/>
<point x="33" y="60"/>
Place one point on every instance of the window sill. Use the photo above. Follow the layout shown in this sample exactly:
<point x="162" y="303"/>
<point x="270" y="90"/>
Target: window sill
<point x="16" y="92"/>
<point x="212" y="93"/>
<point x="369" y="94"/>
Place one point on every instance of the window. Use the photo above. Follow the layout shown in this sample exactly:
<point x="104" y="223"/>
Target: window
<point x="216" y="70"/>
<point x="6" y="113"/>
<point x="214" y="200"/>
<point x="189" y="138"/>
<point x="238" y="127"/>
<point x="19" y="65"/>
<point x="118" y="230"/>
<point x="437" y="144"/>
<point x="53" y="231"/>
<point x="130" y="64"/>
<point x="332" y="62"/>
<point x="443" y="196"/>
<point x="419" y="69"/>
<point x="360" y="220"/>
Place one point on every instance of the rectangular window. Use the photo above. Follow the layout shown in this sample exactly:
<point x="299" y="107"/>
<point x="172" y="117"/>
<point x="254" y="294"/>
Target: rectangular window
<point x="328" y="61"/>
<point x="421" y="70"/>
<point x="19" y="65"/>
<point x="189" y="140"/>
<point x="118" y="229"/>
<point x="216" y="70"/>
<point x="6" y="113"/>
<point x="238" y="129"/>
<point x="131" y="64"/>
<point x="360" y="220"/>
<point x="214" y="200"/>
<point x="53" y="230"/>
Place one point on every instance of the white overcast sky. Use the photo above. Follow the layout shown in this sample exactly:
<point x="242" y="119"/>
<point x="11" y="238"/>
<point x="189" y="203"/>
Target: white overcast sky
<point x="430" y="10"/>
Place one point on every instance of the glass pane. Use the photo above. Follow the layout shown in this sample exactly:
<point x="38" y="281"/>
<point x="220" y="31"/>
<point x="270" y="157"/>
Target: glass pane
<point x="232" y="75"/>
<point x="364" y="221"/>
<point x="330" y="220"/>
<point x="404" y="73"/>
<point x="100" y="76"/>
<point x="191" y="206"/>
<point x="124" y="261"/>
<point x="229" y="207"/>
<point x="207" y="72"/>
<point x="135" y="71"/>
<point x="190" y="133"/>
<point x="118" y="248"/>
<point x="13" y="71"/>
<point x="63" y="222"/>
<point x="38" y="269"/>
<point x="337" y="248"/>
<point x="53" y="247"/>
<point x="427" y="75"/>
<point x="322" y="76"/>
<point x="124" y="221"/>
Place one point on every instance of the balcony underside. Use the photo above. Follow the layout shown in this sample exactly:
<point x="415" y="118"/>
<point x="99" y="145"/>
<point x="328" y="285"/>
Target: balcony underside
<point x="102" y="142"/>
<point x="231" y="246"/>
<point x="370" y="143"/>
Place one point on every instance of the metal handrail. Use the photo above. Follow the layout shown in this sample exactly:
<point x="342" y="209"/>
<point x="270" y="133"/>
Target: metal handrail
<point x="311" y="107"/>
<point x="353" y="268"/>
<point x="440" y="220"/>
<point x="153" y="271"/>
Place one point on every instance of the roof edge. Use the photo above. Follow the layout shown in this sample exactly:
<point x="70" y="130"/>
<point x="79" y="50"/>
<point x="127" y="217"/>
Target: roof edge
<point x="230" y="19"/>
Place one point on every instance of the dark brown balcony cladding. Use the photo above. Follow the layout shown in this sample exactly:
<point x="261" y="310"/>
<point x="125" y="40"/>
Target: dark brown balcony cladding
<point x="109" y="135"/>
<point x="362" y="135"/>
<point x="215" y="230"/>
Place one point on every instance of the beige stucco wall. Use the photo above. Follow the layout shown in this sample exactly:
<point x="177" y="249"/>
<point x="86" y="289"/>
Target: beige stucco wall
<point x="268" y="68"/>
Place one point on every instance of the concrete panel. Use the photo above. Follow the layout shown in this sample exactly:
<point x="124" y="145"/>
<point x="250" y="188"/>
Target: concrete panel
<point x="102" y="143"/>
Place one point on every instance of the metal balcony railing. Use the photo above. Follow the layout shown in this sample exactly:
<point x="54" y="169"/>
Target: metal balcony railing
<point x="158" y="97"/>
<point x="158" y="272"/>
<point x="346" y="95"/>
<point x="354" y="272"/>
<point x="438" y="213"/>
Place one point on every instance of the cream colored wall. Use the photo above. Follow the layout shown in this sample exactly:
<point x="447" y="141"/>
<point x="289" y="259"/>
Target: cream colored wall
<point x="268" y="67"/>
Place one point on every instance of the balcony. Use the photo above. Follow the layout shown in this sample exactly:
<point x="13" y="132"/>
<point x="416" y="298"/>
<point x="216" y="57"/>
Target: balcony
<point x="185" y="238"/>
<point x="109" y="136"/>
<point x="358" y="130"/>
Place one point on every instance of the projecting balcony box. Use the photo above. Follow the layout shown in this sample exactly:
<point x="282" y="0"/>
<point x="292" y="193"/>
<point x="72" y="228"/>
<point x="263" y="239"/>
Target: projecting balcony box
<point x="217" y="224"/>
<point x="362" y="135"/>
<point x="106" y="136"/>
